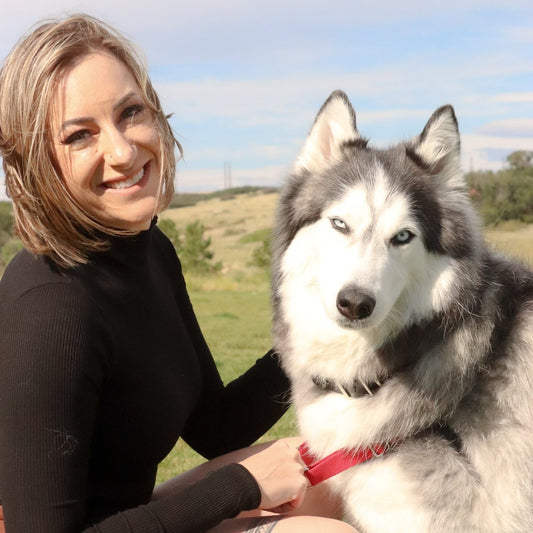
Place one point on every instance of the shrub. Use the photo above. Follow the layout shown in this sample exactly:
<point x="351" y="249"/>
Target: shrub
<point x="196" y="255"/>
<point x="6" y="222"/>
<point x="193" y="248"/>
<point x="169" y="228"/>
<point x="9" y="250"/>
<point x="261" y="256"/>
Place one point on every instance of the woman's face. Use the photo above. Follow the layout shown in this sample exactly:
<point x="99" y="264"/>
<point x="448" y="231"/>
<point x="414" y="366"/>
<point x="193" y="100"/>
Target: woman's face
<point x="106" y="143"/>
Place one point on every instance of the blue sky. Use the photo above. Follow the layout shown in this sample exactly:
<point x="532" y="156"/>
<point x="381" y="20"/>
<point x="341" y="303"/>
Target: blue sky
<point x="245" y="79"/>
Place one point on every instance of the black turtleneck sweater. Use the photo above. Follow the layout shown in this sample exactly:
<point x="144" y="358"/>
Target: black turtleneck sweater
<point x="102" y="368"/>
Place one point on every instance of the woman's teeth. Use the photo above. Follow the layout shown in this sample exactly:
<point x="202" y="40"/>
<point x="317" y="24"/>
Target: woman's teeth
<point x="124" y="184"/>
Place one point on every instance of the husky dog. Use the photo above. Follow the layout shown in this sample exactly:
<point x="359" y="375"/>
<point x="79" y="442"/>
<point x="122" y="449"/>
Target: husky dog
<point x="398" y="326"/>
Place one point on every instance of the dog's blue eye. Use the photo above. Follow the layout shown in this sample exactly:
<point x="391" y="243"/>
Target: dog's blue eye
<point x="402" y="237"/>
<point x="339" y="224"/>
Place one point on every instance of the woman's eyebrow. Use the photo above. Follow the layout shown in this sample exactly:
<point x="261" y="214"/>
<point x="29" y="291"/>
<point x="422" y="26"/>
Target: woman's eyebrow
<point x="123" y="100"/>
<point x="74" y="121"/>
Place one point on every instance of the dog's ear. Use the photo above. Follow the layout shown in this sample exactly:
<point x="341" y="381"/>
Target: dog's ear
<point x="334" y="126"/>
<point x="439" y="142"/>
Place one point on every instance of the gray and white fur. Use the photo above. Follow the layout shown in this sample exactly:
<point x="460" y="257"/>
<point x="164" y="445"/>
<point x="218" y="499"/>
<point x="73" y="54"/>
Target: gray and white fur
<point x="398" y="325"/>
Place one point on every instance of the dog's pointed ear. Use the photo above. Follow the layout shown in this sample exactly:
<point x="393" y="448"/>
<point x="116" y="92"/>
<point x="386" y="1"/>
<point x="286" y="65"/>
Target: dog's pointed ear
<point x="439" y="142"/>
<point x="334" y="126"/>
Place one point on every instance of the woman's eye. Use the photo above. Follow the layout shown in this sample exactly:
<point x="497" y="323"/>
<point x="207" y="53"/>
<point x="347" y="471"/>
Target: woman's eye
<point x="77" y="137"/>
<point x="339" y="224"/>
<point x="132" y="111"/>
<point x="402" y="237"/>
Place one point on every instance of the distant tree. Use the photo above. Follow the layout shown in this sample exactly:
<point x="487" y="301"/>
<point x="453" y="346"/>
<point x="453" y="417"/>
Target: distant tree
<point x="195" y="254"/>
<point x="193" y="248"/>
<point x="520" y="159"/>
<point x="9" y="244"/>
<point x="507" y="194"/>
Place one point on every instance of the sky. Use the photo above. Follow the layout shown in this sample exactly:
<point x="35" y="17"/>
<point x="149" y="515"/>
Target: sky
<point x="245" y="79"/>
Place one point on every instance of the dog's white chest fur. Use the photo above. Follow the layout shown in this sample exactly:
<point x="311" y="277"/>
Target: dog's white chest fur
<point x="399" y="510"/>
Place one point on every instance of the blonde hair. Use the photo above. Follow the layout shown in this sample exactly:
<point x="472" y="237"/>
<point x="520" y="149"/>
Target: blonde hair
<point x="48" y="220"/>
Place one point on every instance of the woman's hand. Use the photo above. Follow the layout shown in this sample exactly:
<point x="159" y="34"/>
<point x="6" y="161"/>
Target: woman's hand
<point x="279" y="472"/>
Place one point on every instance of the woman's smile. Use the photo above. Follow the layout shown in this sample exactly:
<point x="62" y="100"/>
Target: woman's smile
<point x="125" y="182"/>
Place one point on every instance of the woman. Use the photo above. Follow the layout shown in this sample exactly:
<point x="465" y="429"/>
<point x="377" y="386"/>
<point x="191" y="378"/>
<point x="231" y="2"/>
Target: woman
<point x="103" y="365"/>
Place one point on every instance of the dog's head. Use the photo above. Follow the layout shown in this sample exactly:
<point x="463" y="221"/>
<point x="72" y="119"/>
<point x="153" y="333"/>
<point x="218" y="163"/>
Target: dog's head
<point x="362" y="230"/>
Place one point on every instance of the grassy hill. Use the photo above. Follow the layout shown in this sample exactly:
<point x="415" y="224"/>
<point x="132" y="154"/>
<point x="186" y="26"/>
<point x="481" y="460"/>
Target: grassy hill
<point x="237" y="224"/>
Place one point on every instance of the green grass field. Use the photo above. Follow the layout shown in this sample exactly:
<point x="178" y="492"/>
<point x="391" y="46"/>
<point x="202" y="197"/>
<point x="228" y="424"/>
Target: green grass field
<point x="233" y="307"/>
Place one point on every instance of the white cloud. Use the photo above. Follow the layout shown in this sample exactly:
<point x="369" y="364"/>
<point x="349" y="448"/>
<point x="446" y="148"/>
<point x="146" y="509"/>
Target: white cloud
<point x="513" y="97"/>
<point x="482" y="142"/>
<point x="478" y="150"/>
<point x="294" y="101"/>
<point x="518" y="127"/>
<point x="263" y="152"/>
<point x="522" y="35"/>
<point x="208" y="179"/>
<point x="478" y="160"/>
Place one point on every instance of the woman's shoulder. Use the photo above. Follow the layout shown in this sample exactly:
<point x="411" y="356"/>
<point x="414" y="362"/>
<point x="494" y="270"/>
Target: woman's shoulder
<point x="163" y="244"/>
<point x="45" y="310"/>
<point x="33" y="285"/>
<point x="27" y="273"/>
<point x="166" y="252"/>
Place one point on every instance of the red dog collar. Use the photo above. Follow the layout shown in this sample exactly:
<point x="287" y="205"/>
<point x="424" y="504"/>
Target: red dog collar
<point x="318" y="471"/>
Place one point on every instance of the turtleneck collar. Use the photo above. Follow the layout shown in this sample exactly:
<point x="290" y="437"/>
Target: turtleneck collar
<point x="129" y="251"/>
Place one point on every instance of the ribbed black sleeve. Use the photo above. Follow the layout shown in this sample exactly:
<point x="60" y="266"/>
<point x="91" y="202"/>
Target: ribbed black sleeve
<point x="102" y="369"/>
<point x="223" y="493"/>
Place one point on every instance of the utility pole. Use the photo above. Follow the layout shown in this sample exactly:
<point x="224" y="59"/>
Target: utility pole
<point x="227" y="175"/>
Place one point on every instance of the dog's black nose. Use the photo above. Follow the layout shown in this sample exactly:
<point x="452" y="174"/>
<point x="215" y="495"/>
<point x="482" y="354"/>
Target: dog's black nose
<point x="355" y="304"/>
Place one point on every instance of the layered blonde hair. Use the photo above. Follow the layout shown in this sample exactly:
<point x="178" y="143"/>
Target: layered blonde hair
<point x="48" y="219"/>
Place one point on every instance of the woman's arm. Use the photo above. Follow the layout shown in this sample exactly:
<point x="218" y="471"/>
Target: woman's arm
<point x="236" y="415"/>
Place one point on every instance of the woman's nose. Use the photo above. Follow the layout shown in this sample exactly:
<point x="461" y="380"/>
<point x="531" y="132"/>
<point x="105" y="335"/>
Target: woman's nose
<point x="118" y="150"/>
